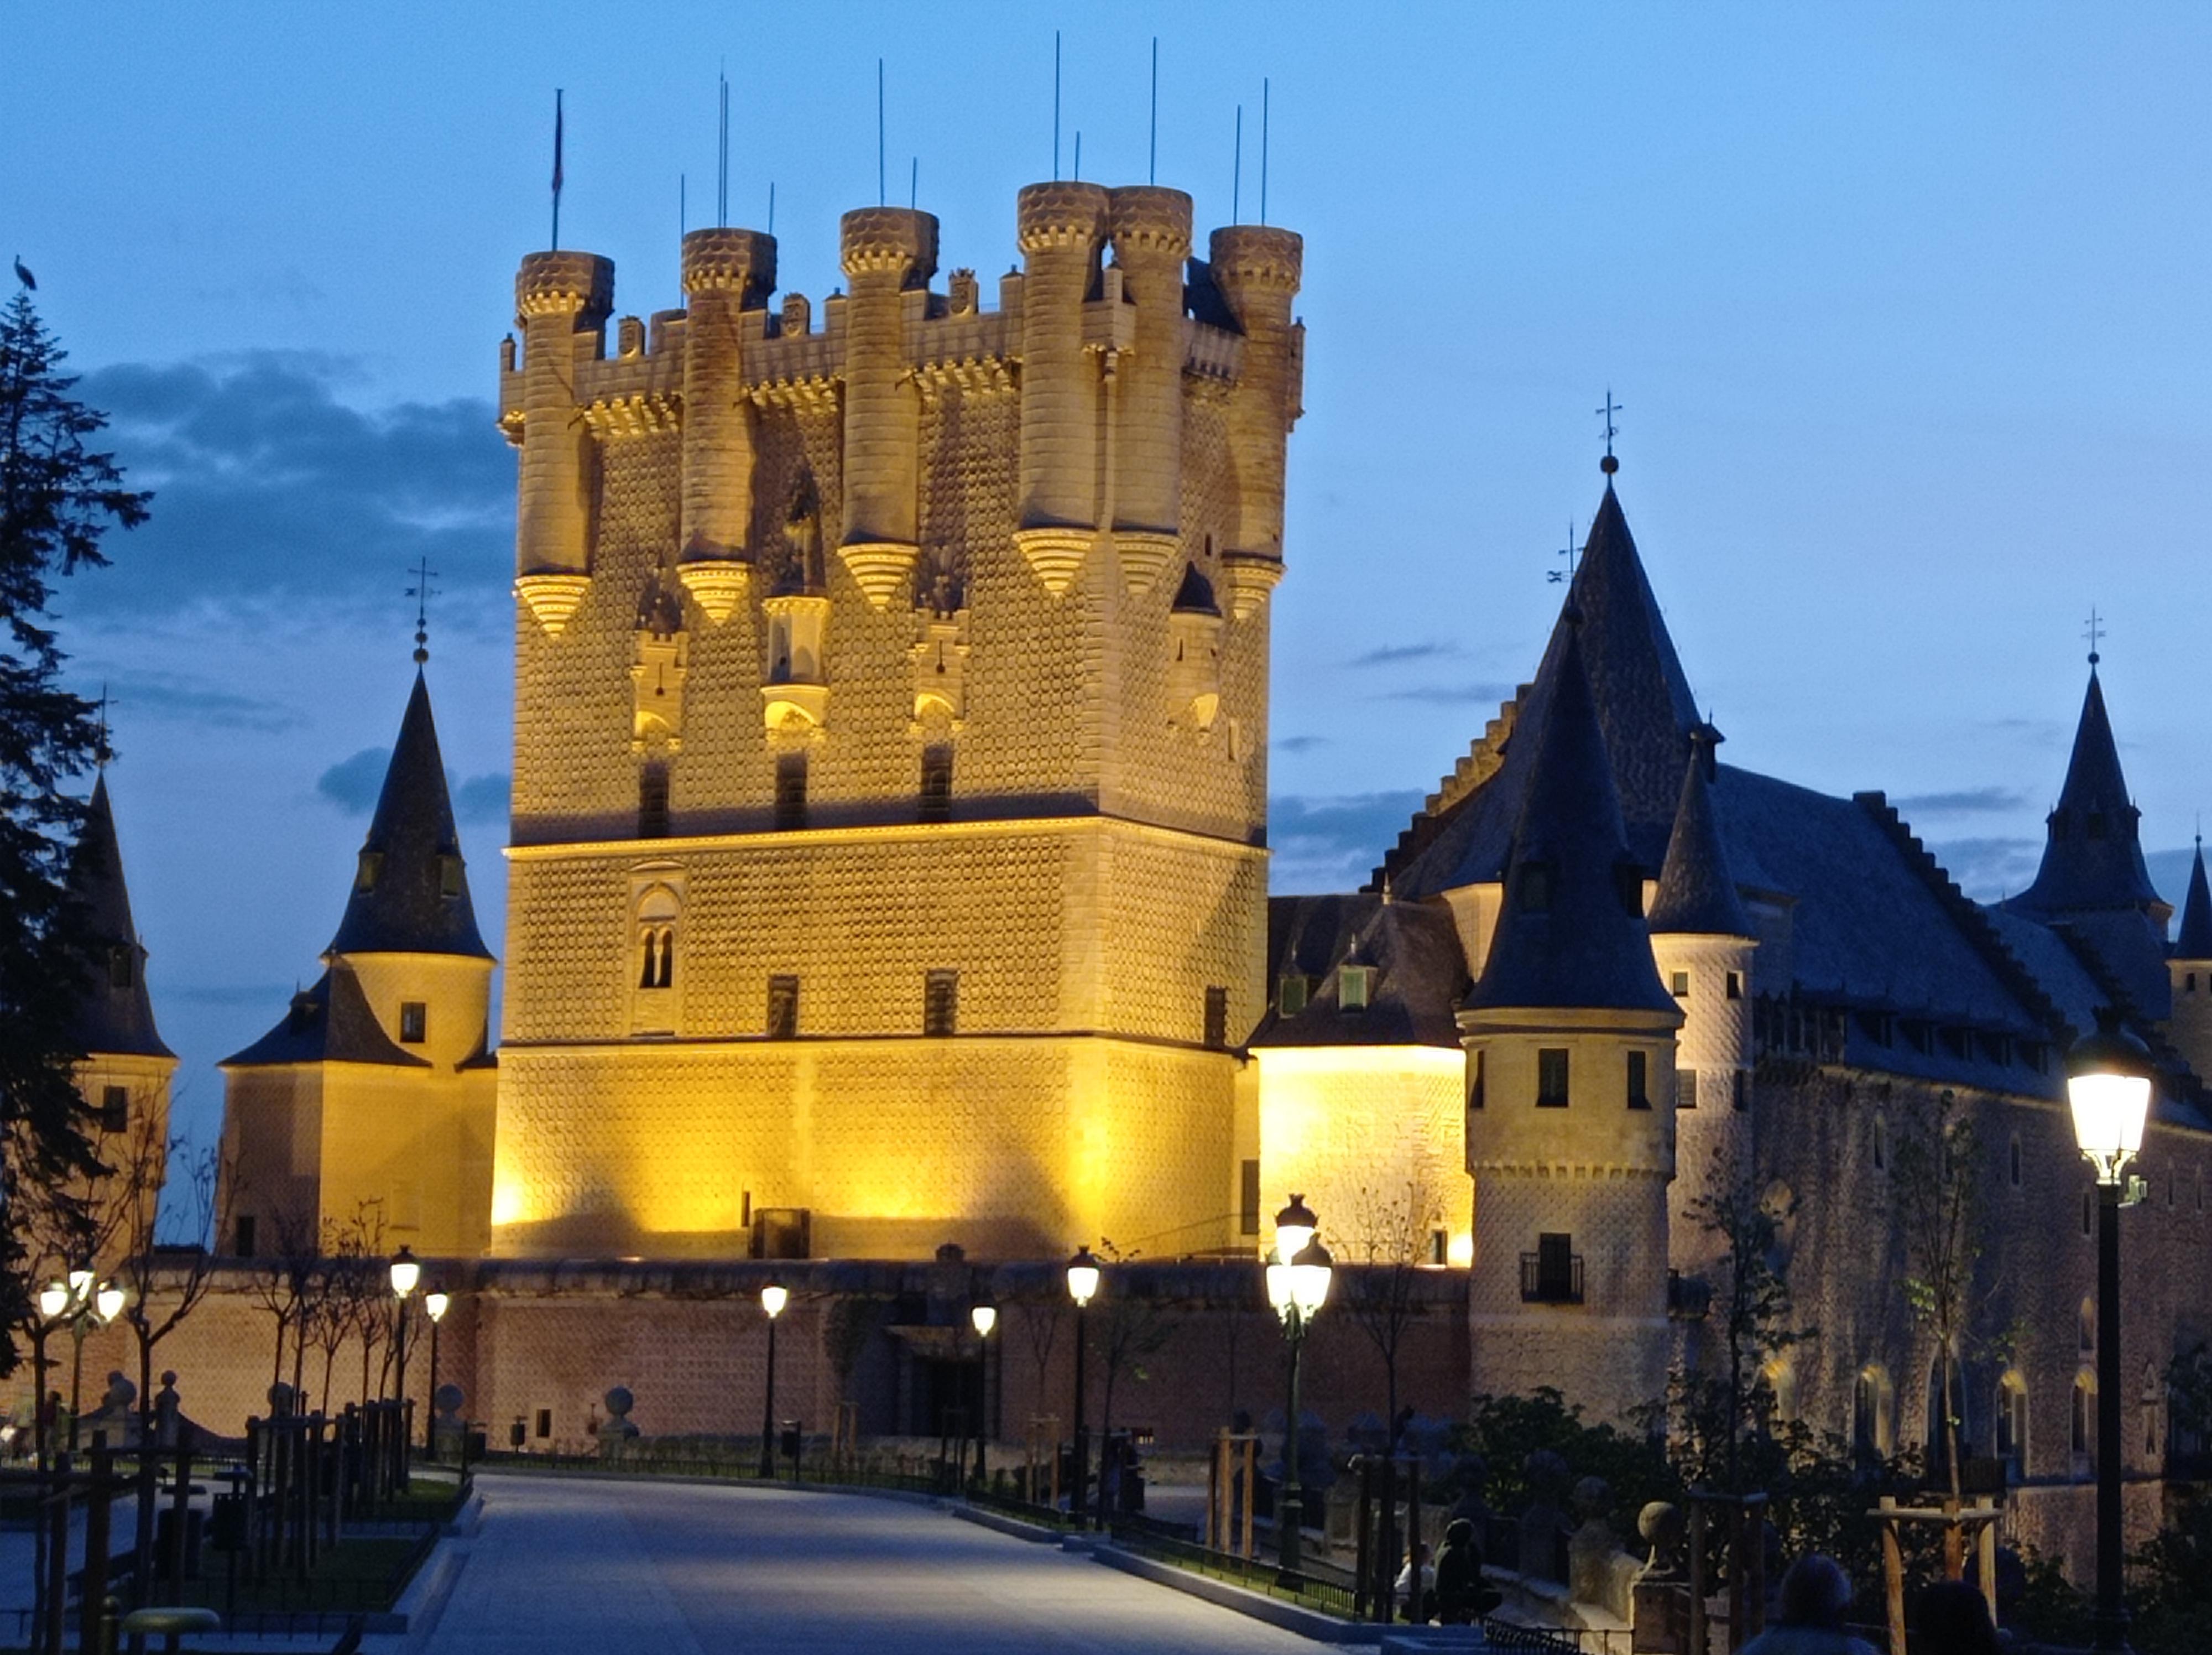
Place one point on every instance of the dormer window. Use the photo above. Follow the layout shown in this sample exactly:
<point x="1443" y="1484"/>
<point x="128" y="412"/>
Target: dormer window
<point x="1290" y="994"/>
<point x="122" y="967"/>
<point x="449" y="874"/>
<point x="1354" y="984"/>
<point x="2095" y="826"/>
<point x="413" y="1022"/>
<point x="367" y="870"/>
<point x="1535" y="887"/>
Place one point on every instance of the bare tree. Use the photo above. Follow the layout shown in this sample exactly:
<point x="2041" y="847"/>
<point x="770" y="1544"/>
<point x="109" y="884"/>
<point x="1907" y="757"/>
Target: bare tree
<point x="1937" y="1175"/>
<point x="1388" y="1237"/>
<point x="329" y="1315"/>
<point x="283" y="1282"/>
<point x="850" y="1323"/>
<point x="1040" y="1332"/>
<point x="1133" y="1326"/>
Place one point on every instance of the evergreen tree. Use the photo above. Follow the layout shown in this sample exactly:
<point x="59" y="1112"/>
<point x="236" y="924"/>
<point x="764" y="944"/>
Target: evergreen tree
<point x="56" y="500"/>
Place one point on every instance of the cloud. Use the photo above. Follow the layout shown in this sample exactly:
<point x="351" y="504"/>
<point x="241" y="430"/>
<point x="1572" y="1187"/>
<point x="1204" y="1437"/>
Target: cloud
<point x="1333" y="843"/>
<point x="1300" y="744"/>
<point x="269" y="488"/>
<point x="1987" y="869"/>
<point x="352" y="784"/>
<point x="1393" y="655"/>
<point x="186" y="698"/>
<point x="1449" y="694"/>
<point x="1969" y="801"/>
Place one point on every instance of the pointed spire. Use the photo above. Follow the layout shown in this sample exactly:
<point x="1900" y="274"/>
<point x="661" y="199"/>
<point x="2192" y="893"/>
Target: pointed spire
<point x="2092" y="854"/>
<point x="1570" y="933"/>
<point x="116" y="1016"/>
<point x="2195" y="941"/>
<point x="410" y="891"/>
<point x="1195" y="595"/>
<point x="1697" y="895"/>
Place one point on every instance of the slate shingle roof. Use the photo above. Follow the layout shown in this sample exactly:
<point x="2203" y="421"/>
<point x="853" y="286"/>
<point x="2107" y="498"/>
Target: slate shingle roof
<point x="112" y="1017"/>
<point x="329" y="1023"/>
<point x="1697" y="893"/>
<point x="412" y="894"/>
<point x="1571" y="930"/>
<point x="2194" y="940"/>
<point x="1419" y="972"/>
<point x="2091" y="852"/>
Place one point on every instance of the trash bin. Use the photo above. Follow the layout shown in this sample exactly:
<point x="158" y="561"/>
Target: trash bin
<point x="164" y="1529"/>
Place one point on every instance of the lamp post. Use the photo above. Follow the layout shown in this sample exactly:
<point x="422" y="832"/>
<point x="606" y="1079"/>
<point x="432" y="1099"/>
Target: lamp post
<point x="2108" y="1086"/>
<point x="983" y="1317"/>
<point x="86" y="1303"/>
<point x="773" y="1297"/>
<point x="406" y="1274"/>
<point x="435" y="1305"/>
<point x="1298" y="1276"/>
<point x="1082" y="1287"/>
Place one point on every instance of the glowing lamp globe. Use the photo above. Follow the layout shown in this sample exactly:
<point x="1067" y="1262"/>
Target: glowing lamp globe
<point x="1082" y="1277"/>
<point x="53" y="1299"/>
<point x="2108" y="1087"/>
<point x="1294" y="1227"/>
<point x="406" y="1272"/>
<point x="435" y="1304"/>
<point x="80" y="1285"/>
<point x="985" y="1317"/>
<point x="773" y="1297"/>
<point x="1311" y="1272"/>
<point x="107" y="1304"/>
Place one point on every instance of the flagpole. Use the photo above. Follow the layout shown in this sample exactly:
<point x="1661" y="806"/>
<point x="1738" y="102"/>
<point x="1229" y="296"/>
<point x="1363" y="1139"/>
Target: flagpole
<point x="557" y="169"/>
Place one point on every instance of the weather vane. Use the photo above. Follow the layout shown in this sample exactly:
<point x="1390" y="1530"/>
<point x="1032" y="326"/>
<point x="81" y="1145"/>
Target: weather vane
<point x="2094" y="632"/>
<point x="1569" y="552"/>
<point x="1609" y="464"/>
<point x="422" y="592"/>
<point x="102" y="752"/>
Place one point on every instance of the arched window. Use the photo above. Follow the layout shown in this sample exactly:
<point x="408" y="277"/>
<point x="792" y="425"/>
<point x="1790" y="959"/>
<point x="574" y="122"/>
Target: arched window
<point x="2012" y="1425"/>
<point x="2083" y="1428"/>
<point x="1874" y="1413"/>
<point x="657" y="913"/>
<point x="1782" y="1384"/>
<point x="2088" y="1323"/>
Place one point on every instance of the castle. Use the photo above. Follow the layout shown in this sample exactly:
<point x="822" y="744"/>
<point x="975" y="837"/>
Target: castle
<point x="888" y="867"/>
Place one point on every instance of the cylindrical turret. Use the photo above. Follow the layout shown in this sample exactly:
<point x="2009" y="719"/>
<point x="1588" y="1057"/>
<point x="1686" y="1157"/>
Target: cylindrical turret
<point x="1152" y="242"/>
<point x="1710" y="978"/>
<point x="1061" y="227"/>
<point x="1256" y="269"/>
<point x="558" y="297"/>
<point x="888" y="251"/>
<point x="725" y="272"/>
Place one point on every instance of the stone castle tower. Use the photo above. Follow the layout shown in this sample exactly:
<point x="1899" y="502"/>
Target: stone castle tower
<point x="888" y="856"/>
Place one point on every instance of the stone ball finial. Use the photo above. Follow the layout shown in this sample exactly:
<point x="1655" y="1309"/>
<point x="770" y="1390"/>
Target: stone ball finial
<point x="1060" y="216"/>
<point x="447" y="1400"/>
<point x="619" y="1402"/>
<point x="898" y="239"/>
<point x="725" y="260"/>
<point x="1591" y="1498"/>
<point x="168" y="1379"/>
<point x="1662" y="1526"/>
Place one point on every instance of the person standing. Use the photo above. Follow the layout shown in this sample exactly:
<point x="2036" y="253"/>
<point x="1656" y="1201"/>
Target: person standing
<point x="1815" y="1594"/>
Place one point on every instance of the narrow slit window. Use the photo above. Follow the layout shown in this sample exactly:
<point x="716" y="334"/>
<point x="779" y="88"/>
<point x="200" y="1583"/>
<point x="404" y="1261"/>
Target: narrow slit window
<point x="1552" y="1077"/>
<point x="653" y="819"/>
<point x="1639" y="1073"/>
<point x="1248" y="1198"/>
<point x="1685" y="1088"/>
<point x="937" y="781"/>
<point x="941" y="1003"/>
<point x="1217" y="1018"/>
<point x="413" y="1022"/>
<point x="782" y="1007"/>
<point x="791" y="790"/>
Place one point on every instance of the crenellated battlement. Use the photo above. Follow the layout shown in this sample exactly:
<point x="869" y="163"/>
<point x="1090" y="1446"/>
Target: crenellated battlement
<point x="730" y="261"/>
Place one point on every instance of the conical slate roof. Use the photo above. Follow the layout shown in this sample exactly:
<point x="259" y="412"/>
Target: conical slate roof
<point x="1570" y="933"/>
<point x="1643" y="704"/>
<point x="330" y="1023"/>
<point x="1696" y="894"/>
<point x="115" y="1015"/>
<point x="2092" y="854"/>
<point x="1195" y="595"/>
<point x="410" y="893"/>
<point x="2195" y="941"/>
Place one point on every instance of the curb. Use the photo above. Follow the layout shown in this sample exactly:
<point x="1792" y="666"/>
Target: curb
<point x="1307" y="1623"/>
<point x="983" y="1517"/>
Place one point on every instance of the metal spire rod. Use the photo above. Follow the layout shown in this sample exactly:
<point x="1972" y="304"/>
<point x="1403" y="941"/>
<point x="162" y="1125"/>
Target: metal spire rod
<point x="1263" y="150"/>
<point x="1153" y="164"/>
<point x="1056" y="105"/>
<point x="557" y="169"/>
<point x="1237" y="174"/>
<point x="880" y="192"/>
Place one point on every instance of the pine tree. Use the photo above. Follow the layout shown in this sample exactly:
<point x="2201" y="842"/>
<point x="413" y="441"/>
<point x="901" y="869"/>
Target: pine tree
<point x="56" y="500"/>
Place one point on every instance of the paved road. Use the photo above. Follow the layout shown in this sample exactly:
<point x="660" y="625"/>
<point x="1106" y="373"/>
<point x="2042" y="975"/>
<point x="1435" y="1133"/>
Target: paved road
<point x="607" y="1568"/>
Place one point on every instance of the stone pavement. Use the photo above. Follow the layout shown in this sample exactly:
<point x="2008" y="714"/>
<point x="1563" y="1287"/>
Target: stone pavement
<point x="609" y="1567"/>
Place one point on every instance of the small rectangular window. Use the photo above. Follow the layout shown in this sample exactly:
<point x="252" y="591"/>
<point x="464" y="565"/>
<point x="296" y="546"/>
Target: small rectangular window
<point x="367" y="869"/>
<point x="1216" y="1019"/>
<point x="653" y="821"/>
<point x="937" y="781"/>
<point x="1639" y="1096"/>
<point x="782" y="1007"/>
<point x="243" y="1246"/>
<point x="1439" y="1246"/>
<point x="1555" y="1270"/>
<point x="1248" y="1198"/>
<point x="1740" y="1090"/>
<point x="1685" y="1088"/>
<point x="1679" y="985"/>
<point x="941" y="1003"/>
<point x="1552" y="1077"/>
<point x="1354" y="983"/>
<point x="791" y="790"/>
<point x="114" y="1108"/>
<point x="122" y="967"/>
<point x="1474" y="1082"/>
<point x="413" y="1022"/>
<point x="544" y="1423"/>
<point x="449" y="874"/>
<point x="1290" y="994"/>
<point x="1736" y="985"/>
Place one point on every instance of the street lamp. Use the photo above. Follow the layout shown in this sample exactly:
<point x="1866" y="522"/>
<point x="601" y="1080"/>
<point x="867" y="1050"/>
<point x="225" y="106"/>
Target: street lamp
<point x="86" y="1303"/>
<point x="983" y="1319"/>
<point x="773" y="1297"/>
<point x="435" y="1305"/>
<point x="2108" y="1084"/>
<point x="1082" y="1287"/>
<point x="1299" y="1277"/>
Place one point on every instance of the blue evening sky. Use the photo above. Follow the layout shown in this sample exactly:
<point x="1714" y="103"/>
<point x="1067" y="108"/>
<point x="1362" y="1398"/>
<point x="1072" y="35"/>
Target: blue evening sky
<point x="1906" y="304"/>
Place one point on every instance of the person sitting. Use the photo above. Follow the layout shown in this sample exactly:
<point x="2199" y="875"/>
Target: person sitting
<point x="1954" y="1619"/>
<point x="1462" y="1594"/>
<point x="1417" y="1584"/>
<point x="1815" y="1594"/>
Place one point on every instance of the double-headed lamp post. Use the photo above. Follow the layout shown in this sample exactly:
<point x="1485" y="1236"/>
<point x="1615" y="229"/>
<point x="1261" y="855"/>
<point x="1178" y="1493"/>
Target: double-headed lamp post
<point x="406" y="1276"/>
<point x="435" y="1305"/>
<point x="2108" y="1084"/>
<point x="85" y="1302"/>
<point x="1298" y="1276"/>
<point x="773" y="1297"/>
<point x="983" y="1319"/>
<point x="1083" y="1276"/>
